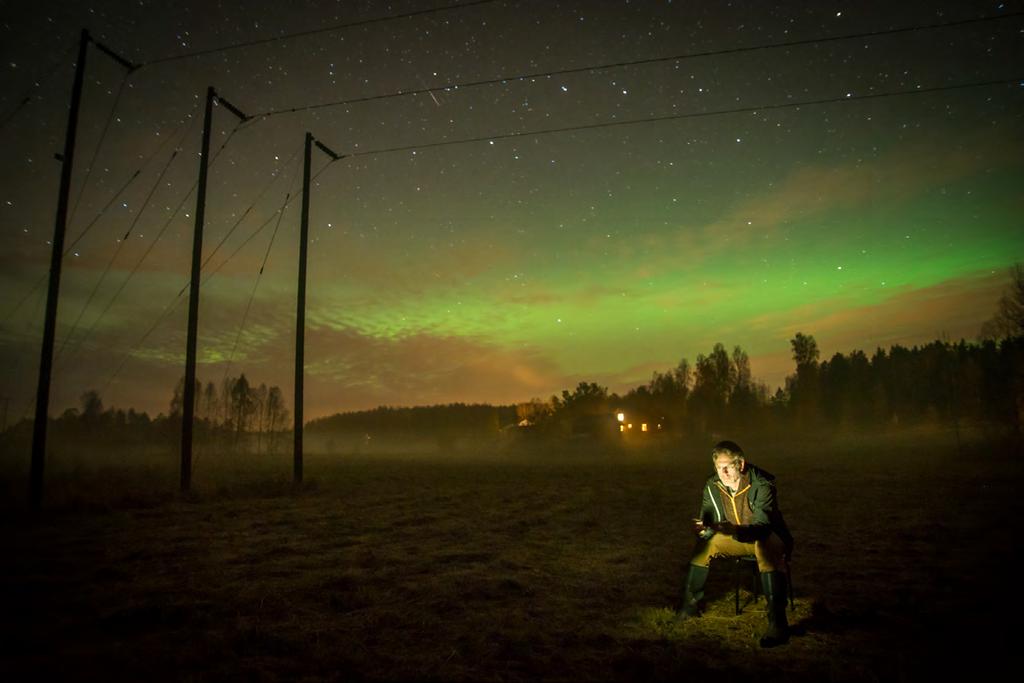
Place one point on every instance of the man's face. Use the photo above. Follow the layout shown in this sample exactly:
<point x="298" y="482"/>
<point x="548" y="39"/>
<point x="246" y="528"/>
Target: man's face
<point x="729" y="468"/>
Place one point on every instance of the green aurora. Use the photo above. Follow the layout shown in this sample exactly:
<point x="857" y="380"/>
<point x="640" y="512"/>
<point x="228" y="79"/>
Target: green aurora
<point x="514" y="266"/>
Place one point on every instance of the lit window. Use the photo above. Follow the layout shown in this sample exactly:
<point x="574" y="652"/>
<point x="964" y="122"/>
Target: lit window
<point x="622" y="428"/>
<point x="621" y="417"/>
<point x="643" y="427"/>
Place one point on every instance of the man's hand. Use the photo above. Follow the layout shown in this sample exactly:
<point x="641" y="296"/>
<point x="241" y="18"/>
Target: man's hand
<point x="727" y="528"/>
<point x="702" y="530"/>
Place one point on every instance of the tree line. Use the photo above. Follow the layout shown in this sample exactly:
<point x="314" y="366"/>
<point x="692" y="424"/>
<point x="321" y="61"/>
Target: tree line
<point x="443" y="426"/>
<point x="236" y="416"/>
<point x="237" y="412"/>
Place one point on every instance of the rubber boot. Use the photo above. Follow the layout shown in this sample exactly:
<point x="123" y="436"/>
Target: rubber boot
<point x="694" y="592"/>
<point x="774" y="584"/>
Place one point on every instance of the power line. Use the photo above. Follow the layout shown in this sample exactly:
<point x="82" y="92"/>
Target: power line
<point x="255" y="286"/>
<point x="327" y="29"/>
<point x="88" y="227"/>
<point x="14" y="112"/>
<point x="694" y="115"/>
<point x="210" y="273"/>
<point x="67" y="250"/>
<point x="148" y="160"/>
<point x="169" y="307"/>
<point x="245" y="213"/>
<point x="636" y="62"/>
<point x="37" y="84"/>
<point x="258" y="230"/>
<point x="124" y="359"/>
<point x="110" y="264"/>
<point x="149" y="249"/>
<point x="287" y="198"/>
<point x="99" y="146"/>
<point x="178" y="296"/>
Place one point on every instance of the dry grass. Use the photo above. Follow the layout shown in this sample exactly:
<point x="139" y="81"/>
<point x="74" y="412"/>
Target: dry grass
<point x="393" y="569"/>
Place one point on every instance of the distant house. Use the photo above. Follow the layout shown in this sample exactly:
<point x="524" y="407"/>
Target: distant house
<point x="633" y="424"/>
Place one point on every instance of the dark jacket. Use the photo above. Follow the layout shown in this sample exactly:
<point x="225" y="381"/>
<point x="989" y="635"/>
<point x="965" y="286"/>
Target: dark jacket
<point x="762" y="515"/>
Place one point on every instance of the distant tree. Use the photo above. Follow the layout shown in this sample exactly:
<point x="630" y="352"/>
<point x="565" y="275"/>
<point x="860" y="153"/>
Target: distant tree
<point x="805" y="350"/>
<point x="583" y="409"/>
<point x="586" y="398"/>
<point x="1008" y="320"/>
<point x="714" y="378"/>
<point x="259" y="396"/>
<point x="741" y="368"/>
<point x="138" y="426"/>
<point x="803" y="387"/>
<point x="779" y="403"/>
<point x="744" y="396"/>
<point x="905" y="394"/>
<point x="534" y="411"/>
<point x="276" y="416"/>
<point x="673" y="384"/>
<point x="178" y="398"/>
<point x="881" y="397"/>
<point x="861" y="389"/>
<point x="833" y="381"/>
<point x="92" y="408"/>
<point x="210" y="403"/>
<point x="243" y="405"/>
<point x="665" y="395"/>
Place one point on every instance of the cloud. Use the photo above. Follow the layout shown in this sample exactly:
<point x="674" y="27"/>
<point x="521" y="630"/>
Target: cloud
<point x="816" y="189"/>
<point x="391" y="270"/>
<point x="953" y="309"/>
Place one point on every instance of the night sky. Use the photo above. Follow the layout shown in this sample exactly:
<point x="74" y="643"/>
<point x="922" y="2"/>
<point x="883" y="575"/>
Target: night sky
<point x="518" y="263"/>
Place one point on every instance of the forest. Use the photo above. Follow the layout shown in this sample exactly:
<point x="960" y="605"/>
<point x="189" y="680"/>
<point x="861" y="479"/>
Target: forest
<point x="237" y="417"/>
<point x="941" y="383"/>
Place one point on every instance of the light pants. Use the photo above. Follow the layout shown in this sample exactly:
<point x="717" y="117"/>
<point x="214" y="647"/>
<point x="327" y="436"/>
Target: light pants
<point x="770" y="553"/>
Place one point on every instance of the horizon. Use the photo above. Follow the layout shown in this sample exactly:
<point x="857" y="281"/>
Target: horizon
<point x="612" y="393"/>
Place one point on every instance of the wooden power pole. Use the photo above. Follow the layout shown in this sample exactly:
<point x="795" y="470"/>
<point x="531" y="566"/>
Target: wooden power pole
<point x="189" y="398"/>
<point x="300" y="312"/>
<point x="56" y="260"/>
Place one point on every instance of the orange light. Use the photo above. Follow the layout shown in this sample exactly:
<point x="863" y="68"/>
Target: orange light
<point x="621" y="417"/>
<point x="643" y="427"/>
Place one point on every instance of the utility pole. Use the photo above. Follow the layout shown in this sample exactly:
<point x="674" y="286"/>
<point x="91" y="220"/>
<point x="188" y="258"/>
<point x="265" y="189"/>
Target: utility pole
<point x="300" y="313"/>
<point x="56" y="260"/>
<point x="189" y="399"/>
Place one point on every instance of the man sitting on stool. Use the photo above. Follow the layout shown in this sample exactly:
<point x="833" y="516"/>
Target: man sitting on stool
<point x="739" y="516"/>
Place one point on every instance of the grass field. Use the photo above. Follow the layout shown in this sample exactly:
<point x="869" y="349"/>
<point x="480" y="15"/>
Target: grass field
<point x="502" y="570"/>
